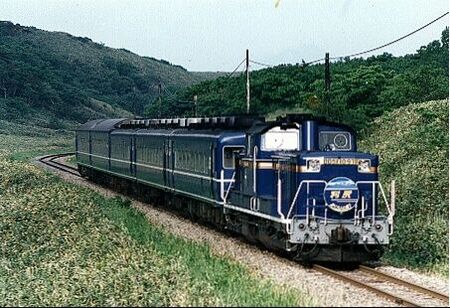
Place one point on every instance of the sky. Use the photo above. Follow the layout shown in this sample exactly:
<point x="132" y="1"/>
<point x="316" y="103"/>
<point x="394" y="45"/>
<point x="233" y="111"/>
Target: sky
<point x="207" y="35"/>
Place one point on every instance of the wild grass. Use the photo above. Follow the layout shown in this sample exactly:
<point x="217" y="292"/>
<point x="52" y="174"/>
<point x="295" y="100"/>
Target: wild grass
<point x="22" y="142"/>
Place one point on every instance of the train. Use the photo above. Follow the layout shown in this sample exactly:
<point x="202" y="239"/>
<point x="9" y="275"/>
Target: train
<point x="296" y="184"/>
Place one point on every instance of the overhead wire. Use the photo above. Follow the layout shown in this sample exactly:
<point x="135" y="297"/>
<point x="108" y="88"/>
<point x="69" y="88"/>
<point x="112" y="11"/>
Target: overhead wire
<point x="304" y="64"/>
<point x="379" y="47"/>
<point x="260" y="63"/>
<point x="237" y="67"/>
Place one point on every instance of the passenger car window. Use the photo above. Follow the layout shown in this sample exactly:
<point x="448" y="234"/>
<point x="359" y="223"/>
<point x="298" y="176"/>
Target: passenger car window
<point x="228" y="157"/>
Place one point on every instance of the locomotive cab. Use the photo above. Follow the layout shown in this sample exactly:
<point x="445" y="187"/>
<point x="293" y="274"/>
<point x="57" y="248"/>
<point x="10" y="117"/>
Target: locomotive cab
<point x="305" y="175"/>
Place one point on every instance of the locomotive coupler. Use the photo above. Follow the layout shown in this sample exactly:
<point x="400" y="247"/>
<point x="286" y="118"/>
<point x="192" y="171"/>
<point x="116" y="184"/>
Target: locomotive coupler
<point x="341" y="235"/>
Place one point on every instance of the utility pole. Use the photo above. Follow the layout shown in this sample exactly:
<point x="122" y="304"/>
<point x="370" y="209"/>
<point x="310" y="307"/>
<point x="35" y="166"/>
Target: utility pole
<point x="247" y="71"/>
<point x="159" y="98"/>
<point x="195" y="105"/>
<point x="327" y="83"/>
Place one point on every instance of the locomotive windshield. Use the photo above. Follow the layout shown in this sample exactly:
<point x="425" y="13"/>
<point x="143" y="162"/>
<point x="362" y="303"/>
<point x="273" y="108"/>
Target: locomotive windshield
<point x="335" y="141"/>
<point x="278" y="139"/>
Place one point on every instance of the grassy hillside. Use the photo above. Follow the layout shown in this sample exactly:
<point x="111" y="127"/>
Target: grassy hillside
<point x="64" y="245"/>
<point x="52" y="77"/>
<point x="361" y="89"/>
<point x="412" y="142"/>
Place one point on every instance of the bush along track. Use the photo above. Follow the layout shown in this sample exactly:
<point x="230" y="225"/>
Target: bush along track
<point x="412" y="143"/>
<point x="66" y="245"/>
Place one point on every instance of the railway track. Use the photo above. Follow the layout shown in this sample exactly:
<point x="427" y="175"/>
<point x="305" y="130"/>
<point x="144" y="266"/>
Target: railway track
<point x="390" y="287"/>
<point x="51" y="160"/>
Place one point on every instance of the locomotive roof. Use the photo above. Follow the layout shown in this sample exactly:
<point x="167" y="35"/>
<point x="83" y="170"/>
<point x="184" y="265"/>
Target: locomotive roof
<point x="289" y="121"/>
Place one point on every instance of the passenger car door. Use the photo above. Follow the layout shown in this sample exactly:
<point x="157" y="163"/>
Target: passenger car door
<point x="168" y="162"/>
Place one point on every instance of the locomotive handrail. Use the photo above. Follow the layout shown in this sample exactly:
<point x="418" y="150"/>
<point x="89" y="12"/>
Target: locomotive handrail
<point x="390" y="206"/>
<point x="392" y="213"/>
<point x="229" y="187"/>
<point x="298" y="191"/>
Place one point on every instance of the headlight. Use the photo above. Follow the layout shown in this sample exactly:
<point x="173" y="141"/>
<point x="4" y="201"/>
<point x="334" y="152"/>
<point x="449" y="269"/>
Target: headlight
<point x="340" y="141"/>
<point x="364" y="165"/>
<point x="313" y="165"/>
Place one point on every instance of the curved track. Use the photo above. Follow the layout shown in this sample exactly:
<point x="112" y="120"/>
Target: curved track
<point x="51" y="160"/>
<point x="393" y="288"/>
<point x="390" y="287"/>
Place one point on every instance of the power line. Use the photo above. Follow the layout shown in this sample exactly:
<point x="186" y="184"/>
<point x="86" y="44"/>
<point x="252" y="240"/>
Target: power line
<point x="382" y="46"/>
<point x="237" y="67"/>
<point x="174" y="95"/>
<point x="260" y="63"/>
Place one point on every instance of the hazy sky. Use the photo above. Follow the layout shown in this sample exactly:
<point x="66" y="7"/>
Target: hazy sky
<point x="206" y="35"/>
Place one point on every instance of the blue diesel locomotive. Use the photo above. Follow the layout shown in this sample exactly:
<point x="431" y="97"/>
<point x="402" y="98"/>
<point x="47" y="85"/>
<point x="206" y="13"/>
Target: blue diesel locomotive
<point x="296" y="184"/>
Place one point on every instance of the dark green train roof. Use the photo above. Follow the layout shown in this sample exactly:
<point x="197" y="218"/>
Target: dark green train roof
<point x="249" y="124"/>
<point x="101" y="125"/>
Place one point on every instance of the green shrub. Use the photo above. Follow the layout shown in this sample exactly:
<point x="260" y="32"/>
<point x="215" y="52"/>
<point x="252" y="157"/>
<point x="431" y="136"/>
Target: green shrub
<point x="412" y="142"/>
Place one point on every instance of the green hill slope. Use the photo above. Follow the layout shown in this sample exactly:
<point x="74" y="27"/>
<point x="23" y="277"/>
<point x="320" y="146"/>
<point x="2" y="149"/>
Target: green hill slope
<point x="412" y="142"/>
<point x="49" y="76"/>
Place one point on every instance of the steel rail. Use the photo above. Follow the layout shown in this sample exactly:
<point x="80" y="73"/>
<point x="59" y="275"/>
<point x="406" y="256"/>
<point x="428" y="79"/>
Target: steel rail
<point x="53" y="160"/>
<point x="49" y="160"/>
<point x="405" y="283"/>
<point x="361" y="284"/>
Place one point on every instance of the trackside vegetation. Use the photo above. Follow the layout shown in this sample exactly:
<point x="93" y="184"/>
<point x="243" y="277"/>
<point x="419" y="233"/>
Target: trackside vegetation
<point x="412" y="142"/>
<point x="62" y="244"/>
<point x="23" y="142"/>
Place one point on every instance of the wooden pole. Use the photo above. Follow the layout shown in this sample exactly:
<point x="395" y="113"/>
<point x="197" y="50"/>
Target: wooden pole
<point x="159" y="98"/>
<point x="195" y="105"/>
<point x="327" y="83"/>
<point x="247" y="70"/>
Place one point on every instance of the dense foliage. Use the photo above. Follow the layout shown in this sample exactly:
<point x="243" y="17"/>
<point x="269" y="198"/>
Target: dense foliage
<point x="361" y="89"/>
<point x="49" y="77"/>
<point x="412" y="143"/>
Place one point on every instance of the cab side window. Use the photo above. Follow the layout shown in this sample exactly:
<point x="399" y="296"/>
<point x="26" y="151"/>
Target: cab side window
<point x="228" y="156"/>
